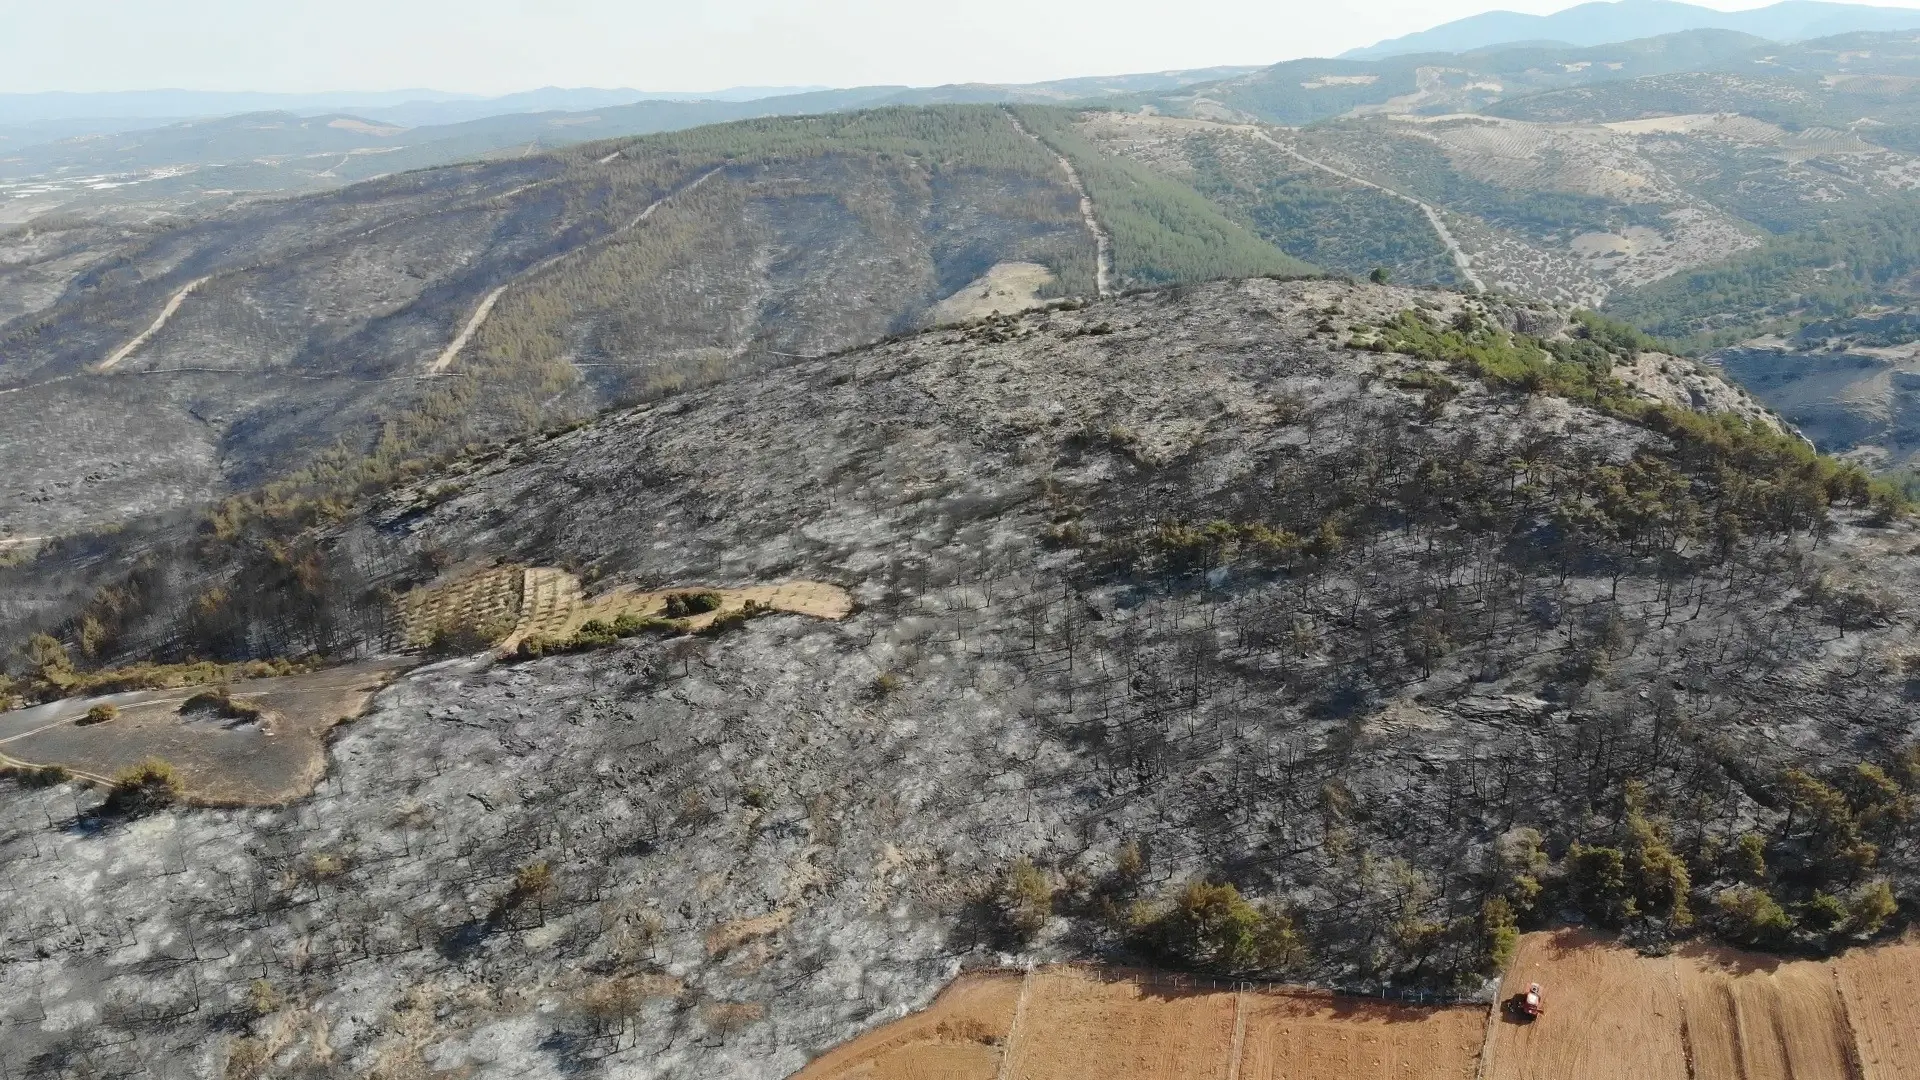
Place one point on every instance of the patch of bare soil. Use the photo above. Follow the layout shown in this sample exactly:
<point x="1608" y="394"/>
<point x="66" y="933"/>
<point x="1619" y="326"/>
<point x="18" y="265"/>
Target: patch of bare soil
<point x="1878" y="988"/>
<point x="1004" y="289"/>
<point x="1755" y="1018"/>
<point x="268" y="751"/>
<point x="960" y="1037"/>
<point x="508" y="604"/>
<point x="1609" y="1013"/>
<point x="1077" y="1025"/>
<point x="1321" y="1037"/>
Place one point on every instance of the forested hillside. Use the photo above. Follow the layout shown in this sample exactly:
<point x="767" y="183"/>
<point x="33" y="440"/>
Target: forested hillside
<point x="1858" y="258"/>
<point x="1163" y="231"/>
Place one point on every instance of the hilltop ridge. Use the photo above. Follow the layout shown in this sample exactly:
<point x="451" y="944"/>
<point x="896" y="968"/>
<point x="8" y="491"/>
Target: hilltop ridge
<point x="1605" y="22"/>
<point x="1335" y="592"/>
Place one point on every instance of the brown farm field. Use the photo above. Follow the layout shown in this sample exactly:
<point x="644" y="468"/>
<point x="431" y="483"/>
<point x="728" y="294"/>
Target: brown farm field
<point x="1073" y="1023"/>
<point x="1754" y="1018"/>
<point x="1077" y="1026"/>
<point x="1702" y="1013"/>
<point x="1610" y="1012"/>
<point x="1879" y="988"/>
<point x="958" y="1038"/>
<point x="1327" y="1037"/>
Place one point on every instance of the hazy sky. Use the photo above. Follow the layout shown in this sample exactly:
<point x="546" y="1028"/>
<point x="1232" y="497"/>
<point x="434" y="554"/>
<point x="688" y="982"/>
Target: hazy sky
<point x="495" y="46"/>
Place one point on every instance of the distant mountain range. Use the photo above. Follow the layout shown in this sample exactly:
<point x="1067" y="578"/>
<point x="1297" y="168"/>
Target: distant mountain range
<point x="409" y="108"/>
<point x="292" y="148"/>
<point x="1625" y="20"/>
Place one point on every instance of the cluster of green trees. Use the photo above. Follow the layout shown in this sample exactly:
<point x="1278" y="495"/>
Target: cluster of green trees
<point x="1810" y="882"/>
<point x="1829" y="270"/>
<point x="1340" y="229"/>
<point x="1807" y="884"/>
<point x="1164" y="232"/>
<point x="1719" y="473"/>
<point x="1203" y="926"/>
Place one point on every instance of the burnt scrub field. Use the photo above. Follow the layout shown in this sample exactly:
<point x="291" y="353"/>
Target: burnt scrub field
<point x="404" y="317"/>
<point x="1296" y="630"/>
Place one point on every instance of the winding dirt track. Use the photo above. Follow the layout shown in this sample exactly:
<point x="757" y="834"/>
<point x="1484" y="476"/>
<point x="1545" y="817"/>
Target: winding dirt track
<point x="479" y="317"/>
<point x="1102" y="243"/>
<point x="173" y="305"/>
<point x="1460" y="260"/>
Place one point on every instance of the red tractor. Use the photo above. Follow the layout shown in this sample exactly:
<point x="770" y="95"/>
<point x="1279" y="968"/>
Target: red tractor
<point x="1528" y="1006"/>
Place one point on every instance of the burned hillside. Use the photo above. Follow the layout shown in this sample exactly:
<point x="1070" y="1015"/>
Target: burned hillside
<point x="1410" y="616"/>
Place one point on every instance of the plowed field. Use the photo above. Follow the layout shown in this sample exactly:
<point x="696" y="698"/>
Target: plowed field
<point x="1319" y="1036"/>
<point x="1078" y="1027"/>
<point x="1075" y="1024"/>
<point x="1700" y="1014"/>
<point x="1610" y="1013"/>
<point x="959" y="1038"/>
<point x="1881" y="989"/>
<point x="1754" y="1018"/>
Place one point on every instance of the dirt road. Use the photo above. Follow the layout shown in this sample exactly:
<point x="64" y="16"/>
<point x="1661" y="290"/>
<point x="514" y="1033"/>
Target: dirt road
<point x="1460" y="260"/>
<point x="166" y="313"/>
<point x="479" y="318"/>
<point x="1102" y="243"/>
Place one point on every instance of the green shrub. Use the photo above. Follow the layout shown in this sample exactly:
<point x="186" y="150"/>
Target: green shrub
<point x="1023" y="900"/>
<point x="1214" y="928"/>
<point x="143" y="789"/>
<point x="1750" y="915"/>
<point x="1871" y="908"/>
<point x="1598" y="876"/>
<point x="1748" y="859"/>
<point x="1660" y="878"/>
<point x="100" y="714"/>
<point x="686" y="604"/>
<point x="1499" y="934"/>
<point x="1519" y="862"/>
<point x="727" y="621"/>
<point x="221" y="702"/>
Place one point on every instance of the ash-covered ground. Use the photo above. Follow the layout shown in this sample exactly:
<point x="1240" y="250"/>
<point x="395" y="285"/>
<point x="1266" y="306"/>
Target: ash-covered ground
<point x="694" y="857"/>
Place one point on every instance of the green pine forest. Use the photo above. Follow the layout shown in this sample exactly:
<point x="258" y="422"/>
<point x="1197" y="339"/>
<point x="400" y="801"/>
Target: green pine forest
<point x="1833" y="269"/>
<point x="1164" y="232"/>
